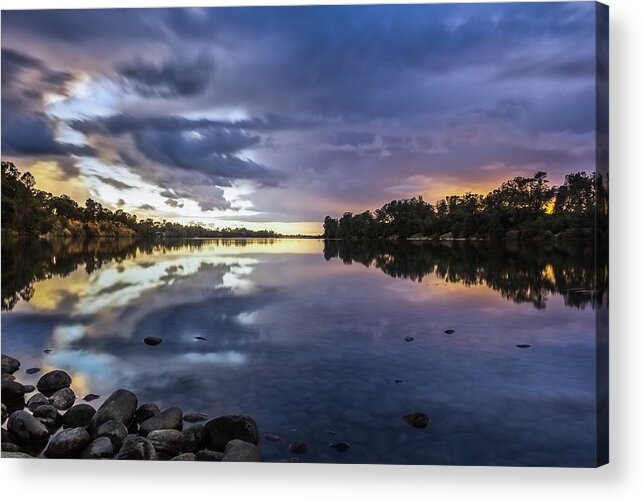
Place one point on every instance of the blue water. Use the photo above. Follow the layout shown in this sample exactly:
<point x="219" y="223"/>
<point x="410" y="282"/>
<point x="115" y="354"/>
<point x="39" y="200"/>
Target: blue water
<point x="313" y="348"/>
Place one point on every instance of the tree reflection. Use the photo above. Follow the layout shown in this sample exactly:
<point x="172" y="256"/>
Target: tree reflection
<point x="521" y="274"/>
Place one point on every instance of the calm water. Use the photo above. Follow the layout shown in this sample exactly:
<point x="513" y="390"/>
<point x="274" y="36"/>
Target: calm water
<point x="308" y="338"/>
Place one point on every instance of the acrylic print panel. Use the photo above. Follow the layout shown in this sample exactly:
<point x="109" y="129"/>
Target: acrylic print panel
<point x="334" y="234"/>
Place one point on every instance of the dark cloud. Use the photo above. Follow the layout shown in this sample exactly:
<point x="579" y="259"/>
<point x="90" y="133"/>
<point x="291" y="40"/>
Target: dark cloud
<point x="179" y="77"/>
<point x="147" y="207"/>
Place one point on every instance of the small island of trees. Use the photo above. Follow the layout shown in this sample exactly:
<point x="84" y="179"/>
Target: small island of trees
<point x="524" y="208"/>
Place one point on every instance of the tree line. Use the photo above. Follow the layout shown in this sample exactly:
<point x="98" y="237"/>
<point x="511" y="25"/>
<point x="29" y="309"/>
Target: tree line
<point x="521" y="208"/>
<point x="30" y="212"/>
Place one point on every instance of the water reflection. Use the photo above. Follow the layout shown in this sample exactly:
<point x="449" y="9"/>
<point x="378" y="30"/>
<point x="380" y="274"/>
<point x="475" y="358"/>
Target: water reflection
<point x="286" y="332"/>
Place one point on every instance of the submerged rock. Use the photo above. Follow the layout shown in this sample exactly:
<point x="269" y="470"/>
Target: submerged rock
<point x="272" y="437"/>
<point x="78" y="416"/>
<point x="53" y="381"/>
<point x="134" y="447"/>
<point x="170" y="442"/>
<point x="219" y="431"/>
<point x="99" y="448"/>
<point x="152" y="341"/>
<point x="417" y="419"/>
<point x="169" y="419"/>
<point x="408" y="339"/>
<point x="9" y="364"/>
<point x="90" y="397"/>
<point x="523" y="345"/>
<point x="449" y="331"/>
<point x="240" y="451"/>
<point x="119" y="406"/>
<point x="298" y="447"/>
<point x="68" y="443"/>
<point x="26" y="427"/>
<point x="63" y="399"/>
<point x="340" y="446"/>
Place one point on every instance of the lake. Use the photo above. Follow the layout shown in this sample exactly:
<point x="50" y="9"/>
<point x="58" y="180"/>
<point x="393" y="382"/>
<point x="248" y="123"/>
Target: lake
<point x="313" y="340"/>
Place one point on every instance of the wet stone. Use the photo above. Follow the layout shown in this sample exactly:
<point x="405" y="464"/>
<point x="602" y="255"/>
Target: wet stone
<point x="11" y="391"/>
<point x="449" y="331"/>
<point x="78" y="416"/>
<point x="170" y="442"/>
<point x="208" y="455"/>
<point x="169" y="419"/>
<point x="340" y="446"/>
<point x="53" y="381"/>
<point x="29" y="388"/>
<point x="146" y="411"/>
<point x="152" y="341"/>
<point x="194" y="417"/>
<point x="48" y="415"/>
<point x="36" y="401"/>
<point x="240" y="451"/>
<point x="90" y="397"/>
<point x="119" y="406"/>
<point x="194" y="437"/>
<point x="63" y="399"/>
<point x="99" y="448"/>
<point x="68" y="443"/>
<point x="134" y="448"/>
<point x="219" y="431"/>
<point x="186" y="456"/>
<point x="33" y="370"/>
<point x="523" y="346"/>
<point x="9" y="364"/>
<point x="298" y="447"/>
<point x="408" y="339"/>
<point x="272" y="437"/>
<point x="112" y="429"/>
<point x="417" y="420"/>
<point x="26" y="427"/>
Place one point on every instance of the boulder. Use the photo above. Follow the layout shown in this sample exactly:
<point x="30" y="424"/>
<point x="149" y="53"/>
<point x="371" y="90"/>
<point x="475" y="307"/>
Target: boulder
<point x="119" y="406"/>
<point x="219" y="431"/>
<point x="169" y="419"/>
<point x="36" y="401"/>
<point x="112" y="429"/>
<point x="145" y="412"/>
<point x="9" y="364"/>
<point x="12" y="391"/>
<point x="78" y="416"/>
<point x="170" y="442"/>
<point x="134" y="447"/>
<point x="68" y="443"/>
<point x="48" y="415"/>
<point x="99" y="448"/>
<point x="26" y="427"/>
<point x="53" y="381"/>
<point x="194" y="437"/>
<point x="240" y="451"/>
<point x="63" y="399"/>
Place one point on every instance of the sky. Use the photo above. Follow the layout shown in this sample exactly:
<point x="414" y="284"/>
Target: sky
<point x="274" y="117"/>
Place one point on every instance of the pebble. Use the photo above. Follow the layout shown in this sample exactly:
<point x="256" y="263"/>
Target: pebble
<point x="99" y="448"/>
<point x="298" y="447"/>
<point x="169" y="419"/>
<point x="78" y="416"/>
<point x="90" y="397"/>
<point x="36" y="401"/>
<point x="63" y="399"/>
<point x="135" y="447"/>
<point x="68" y="443"/>
<point x="53" y="381"/>
<point x="113" y="430"/>
<point x="48" y="415"/>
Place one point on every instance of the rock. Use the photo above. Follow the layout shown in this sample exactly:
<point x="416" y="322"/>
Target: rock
<point x="113" y="430"/>
<point x="169" y="419"/>
<point x="78" y="416"/>
<point x="90" y="397"/>
<point x="99" y="448"/>
<point x="408" y="339"/>
<point x="170" y="442"/>
<point x="449" y="331"/>
<point x="219" y="431"/>
<point x="134" y="447"/>
<point x="446" y="236"/>
<point x="398" y="380"/>
<point x="9" y="364"/>
<point x="417" y="419"/>
<point x="63" y="399"/>
<point x="208" y="455"/>
<point x="298" y="447"/>
<point x="48" y="415"/>
<point x="5" y="413"/>
<point x="145" y="412"/>
<point x="47" y="351"/>
<point x="291" y="460"/>
<point x="240" y="451"/>
<point x="36" y="401"/>
<point x="5" y="435"/>
<point x="16" y="455"/>
<point x="200" y="338"/>
<point x="26" y="427"/>
<point x="194" y="417"/>
<point x="33" y="370"/>
<point x="512" y="235"/>
<point x="194" y="437"/>
<point x="53" y="381"/>
<point x="272" y="437"/>
<point x="187" y="456"/>
<point x="152" y="341"/>
<point x="29" y="388"/>
<point x="11" y="447"/>
<point x="68" y="443"/>
<point x="12" y="391"/>
<point x="523" y="345"/>
<point x="340" y="446"/>
<point x="119" y="406"/>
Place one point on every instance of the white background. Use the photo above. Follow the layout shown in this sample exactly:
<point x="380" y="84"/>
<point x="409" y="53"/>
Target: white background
<point x="621" y="479"/>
